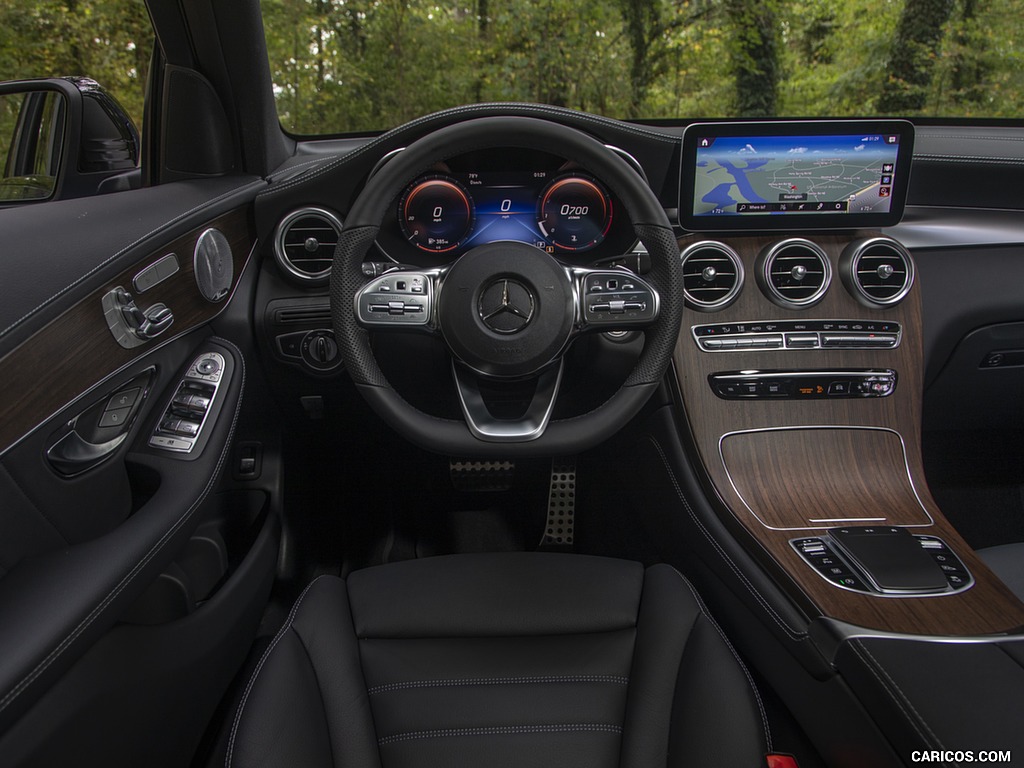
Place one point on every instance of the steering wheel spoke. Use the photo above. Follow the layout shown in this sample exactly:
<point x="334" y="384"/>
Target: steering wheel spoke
<point x="486" y="426"/>
<point x="613" y="300"/>
<point x="400" y="299"/>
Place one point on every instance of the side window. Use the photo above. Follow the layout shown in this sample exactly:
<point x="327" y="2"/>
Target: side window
<point x="31" y="143"/>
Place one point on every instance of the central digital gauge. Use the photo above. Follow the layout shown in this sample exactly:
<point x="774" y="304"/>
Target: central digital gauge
<point x="574" y="213"/>
<point x="436" y="214"/>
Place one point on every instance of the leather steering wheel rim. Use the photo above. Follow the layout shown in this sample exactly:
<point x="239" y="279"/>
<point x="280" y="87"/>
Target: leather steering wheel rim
<point x="649" y="222"/>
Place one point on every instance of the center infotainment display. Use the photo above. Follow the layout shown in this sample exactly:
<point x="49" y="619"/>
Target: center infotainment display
<point x="794" y="175"/>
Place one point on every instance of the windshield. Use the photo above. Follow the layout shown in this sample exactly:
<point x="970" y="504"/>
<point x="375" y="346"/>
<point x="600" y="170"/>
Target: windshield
<point x="365" y="65"/>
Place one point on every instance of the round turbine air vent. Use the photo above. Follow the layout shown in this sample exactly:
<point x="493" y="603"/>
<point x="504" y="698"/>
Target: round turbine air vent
<point x="794" y="273"/>
<point x="878" y="272"/>
<point x="304" y="244"/>
<point x="712" y="275"/>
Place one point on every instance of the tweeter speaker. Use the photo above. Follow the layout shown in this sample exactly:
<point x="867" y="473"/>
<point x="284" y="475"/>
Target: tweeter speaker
<point x="213" y="265"/>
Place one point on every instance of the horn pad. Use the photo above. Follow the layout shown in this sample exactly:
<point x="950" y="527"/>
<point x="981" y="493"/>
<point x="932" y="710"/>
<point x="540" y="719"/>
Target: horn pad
<point x="506" y="309"/>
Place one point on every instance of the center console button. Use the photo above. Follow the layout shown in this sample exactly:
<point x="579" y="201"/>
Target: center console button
<point x="801" y="340"/>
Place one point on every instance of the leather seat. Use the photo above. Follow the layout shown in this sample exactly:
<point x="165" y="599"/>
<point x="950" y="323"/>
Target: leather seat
<point x="500" y="660"/>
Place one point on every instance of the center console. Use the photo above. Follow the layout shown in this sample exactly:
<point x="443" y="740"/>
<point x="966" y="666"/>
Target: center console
<point x="802" y="398"/>
<point x="800" y="374"/>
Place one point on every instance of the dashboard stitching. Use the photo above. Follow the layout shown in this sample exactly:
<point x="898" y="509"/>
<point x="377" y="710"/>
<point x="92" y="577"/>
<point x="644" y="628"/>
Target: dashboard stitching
<point x="127" y="578"/>
<point x="969" y="159"/>
<point x="892" y="688"/>
<point x="732" y="650"/>
<point x="338" y="161"/>
<point x="975" y="136"/>
<point x="291" y="172"/>
<point x="792" y="633"/>
<point x="123" y="251"/>
<point x="259" y="667"/>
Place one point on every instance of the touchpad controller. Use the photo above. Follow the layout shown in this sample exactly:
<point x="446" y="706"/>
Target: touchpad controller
<point x="890" y="557"/>
<point x="884" y="560"/>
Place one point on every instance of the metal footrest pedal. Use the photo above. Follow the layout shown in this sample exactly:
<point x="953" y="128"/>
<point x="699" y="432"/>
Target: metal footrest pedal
<point x="558" y="529"/>
<point x="481" y="475"/>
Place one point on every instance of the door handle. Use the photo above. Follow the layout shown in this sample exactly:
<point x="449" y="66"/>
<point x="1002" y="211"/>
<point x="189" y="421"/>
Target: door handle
<point x="73" y="454"/>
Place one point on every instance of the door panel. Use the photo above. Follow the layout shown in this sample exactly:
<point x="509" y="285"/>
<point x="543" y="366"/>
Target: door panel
<point x="79" y="549"/>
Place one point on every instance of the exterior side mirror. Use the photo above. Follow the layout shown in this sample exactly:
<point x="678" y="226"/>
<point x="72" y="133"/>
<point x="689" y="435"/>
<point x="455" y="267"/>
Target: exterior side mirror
<point x="62" y="138"/>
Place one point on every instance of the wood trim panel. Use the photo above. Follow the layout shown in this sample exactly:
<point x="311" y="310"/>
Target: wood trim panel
<point x="76" y="350"/>
<point x="778" y="472"/>
<point x="836" y="465"/>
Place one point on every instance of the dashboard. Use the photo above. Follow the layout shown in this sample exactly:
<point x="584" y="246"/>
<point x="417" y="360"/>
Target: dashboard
<point x="525" y="196"/>
<point x="816" y="305"/>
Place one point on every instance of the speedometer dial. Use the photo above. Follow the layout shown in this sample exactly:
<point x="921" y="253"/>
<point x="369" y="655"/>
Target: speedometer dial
<point x="436" y="214"/>
<point x="575" y="213"/>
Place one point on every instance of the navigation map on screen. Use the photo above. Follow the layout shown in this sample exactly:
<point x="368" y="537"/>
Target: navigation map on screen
<point x="794" y="175"/>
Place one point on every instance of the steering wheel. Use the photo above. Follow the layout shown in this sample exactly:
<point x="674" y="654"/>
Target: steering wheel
<point x="507" y="310"/>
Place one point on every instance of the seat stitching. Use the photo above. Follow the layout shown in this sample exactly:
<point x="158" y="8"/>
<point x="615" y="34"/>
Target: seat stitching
<point x="259" y="668"/>
<point x="455" y="683"/>
<point x="230" y="193"/>
<point x="319" y="690"/>
<point x="892" y="688"/>
<point x="501" y="730"/>
<point x="735" y="655"/>
<point x="793" y="634"/>
<point x="127" y="579"/>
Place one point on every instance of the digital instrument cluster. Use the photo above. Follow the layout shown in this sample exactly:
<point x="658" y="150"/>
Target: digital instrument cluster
<point x="529" y="197"/>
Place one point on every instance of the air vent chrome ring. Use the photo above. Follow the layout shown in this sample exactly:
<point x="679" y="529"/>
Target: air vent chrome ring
<point x="794" y="273"/>
<point x="307" y="258"/>
<point x="712" y="275"/>
<point x="877" y="271"/>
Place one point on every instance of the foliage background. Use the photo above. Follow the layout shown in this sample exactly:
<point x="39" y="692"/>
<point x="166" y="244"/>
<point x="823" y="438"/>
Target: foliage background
<point x="351" y="65"/>
<point x="361" y="65"/>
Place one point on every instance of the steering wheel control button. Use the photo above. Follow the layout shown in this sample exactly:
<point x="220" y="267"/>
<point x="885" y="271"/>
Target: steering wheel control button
<point x="625" y="300"/>
<point x="396" y="299"/>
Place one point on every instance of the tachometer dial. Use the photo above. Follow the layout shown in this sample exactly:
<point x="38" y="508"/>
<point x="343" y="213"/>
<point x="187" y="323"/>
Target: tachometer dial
<point x="436" y="214"/>
<point x="575" y="213"/>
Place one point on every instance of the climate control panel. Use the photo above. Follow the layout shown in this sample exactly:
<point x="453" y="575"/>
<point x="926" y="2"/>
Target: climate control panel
<point x="797" y="334"/>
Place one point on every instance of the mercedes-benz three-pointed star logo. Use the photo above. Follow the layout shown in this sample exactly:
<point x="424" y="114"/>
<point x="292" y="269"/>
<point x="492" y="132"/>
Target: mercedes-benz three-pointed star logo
<point x="506" y="306"/>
